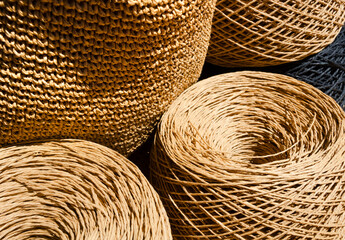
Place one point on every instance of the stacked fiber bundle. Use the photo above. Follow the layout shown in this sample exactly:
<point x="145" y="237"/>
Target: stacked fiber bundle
<point x="325" y="70"/>
<point x="76" y="190"/>
<point x="97" y="70"/>
<point x="266" y="33"/>
<point x="252" y="155"/>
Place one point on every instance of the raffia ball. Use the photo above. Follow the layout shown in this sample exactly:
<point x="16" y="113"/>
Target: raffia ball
<point x="270" y="32"/>
<point x="96" y="70"/>
<point x="252" y="155"/>
<point x="76" y="190"/>
<point x="325" y="70"/>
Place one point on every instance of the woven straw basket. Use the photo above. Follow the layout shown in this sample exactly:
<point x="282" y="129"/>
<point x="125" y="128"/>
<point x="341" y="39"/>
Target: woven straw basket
<point x="97" y="70"/>
<point x="325" y="70"/>
<point x="270" y="32"/>
<point x="252" y="155"/>
<point x="76" y="190"/>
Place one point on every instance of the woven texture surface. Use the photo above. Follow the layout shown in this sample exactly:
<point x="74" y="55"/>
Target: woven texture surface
<point x="325" y="70"/>
<point x="270" y="32"/>
<point x="252" y="155"/>
<point x="97" y="70"/>
<point x="76" y="190"/>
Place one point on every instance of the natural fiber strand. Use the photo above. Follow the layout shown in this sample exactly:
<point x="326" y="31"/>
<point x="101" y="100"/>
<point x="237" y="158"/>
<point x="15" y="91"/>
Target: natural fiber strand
<point x="76" y="190"/>
<point x="266" y="33"/>
<point x="325" y="70"/>
<point x="252" y="155"/>
<point x="97" y="70"/>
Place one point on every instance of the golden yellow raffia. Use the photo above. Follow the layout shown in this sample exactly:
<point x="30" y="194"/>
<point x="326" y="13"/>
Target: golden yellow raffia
<point x="97" y="70"/>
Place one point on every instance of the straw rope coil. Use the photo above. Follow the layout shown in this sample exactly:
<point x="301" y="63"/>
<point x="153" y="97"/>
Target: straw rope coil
<point x="266" y="33"/>
<point x="76" y="190"/>
<point x="252" y="155"/>
<point x="325" y="70"/>
<point x="96" y="70"/>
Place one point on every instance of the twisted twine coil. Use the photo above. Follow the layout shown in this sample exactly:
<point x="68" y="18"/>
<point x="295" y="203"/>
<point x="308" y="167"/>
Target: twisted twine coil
<point x="271" y="32"/>
<point x="76" y="190"/>
<point x="325" y="70"/>
<point x="252" y="155"/>
<point x="102" y="71"/>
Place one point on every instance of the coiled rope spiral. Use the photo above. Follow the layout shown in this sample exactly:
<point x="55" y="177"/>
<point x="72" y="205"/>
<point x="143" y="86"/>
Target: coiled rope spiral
<point x="252" y="155"/>
<point x="76" y="190"/>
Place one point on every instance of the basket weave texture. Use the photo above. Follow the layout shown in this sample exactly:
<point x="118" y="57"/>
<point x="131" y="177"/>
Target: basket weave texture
<point x="325" y="70"/>
<point x="270" y="32"/>
<point x="252" y="155"/>
<point x="97" y="70"/>
<point x="76" y="190"/>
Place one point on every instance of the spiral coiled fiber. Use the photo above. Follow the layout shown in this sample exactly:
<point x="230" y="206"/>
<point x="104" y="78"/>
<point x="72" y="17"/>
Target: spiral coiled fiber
<point x="325" y="70"/>
<point x="252" y="155"/>
<point x="76" y="190"/>
<point x="260" y="33"/>
<point x="102" y="71"/>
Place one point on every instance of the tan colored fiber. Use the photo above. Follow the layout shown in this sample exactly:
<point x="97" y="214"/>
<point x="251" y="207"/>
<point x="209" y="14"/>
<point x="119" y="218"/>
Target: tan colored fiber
<point x="252" y="155"/>
<point x="76" y="190"/>
<point x="94" y="69"/>
<point x="257" y="33"/>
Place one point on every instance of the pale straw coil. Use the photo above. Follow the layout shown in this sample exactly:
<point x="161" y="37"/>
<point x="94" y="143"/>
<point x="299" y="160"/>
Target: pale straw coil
<point x="252" y="155"/>
<point x="76" y="190"/>
<point x="258" y="33"/>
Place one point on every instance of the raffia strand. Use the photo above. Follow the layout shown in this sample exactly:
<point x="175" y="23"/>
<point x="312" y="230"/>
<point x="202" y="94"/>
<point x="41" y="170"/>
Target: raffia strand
<point x="76" y="190"/>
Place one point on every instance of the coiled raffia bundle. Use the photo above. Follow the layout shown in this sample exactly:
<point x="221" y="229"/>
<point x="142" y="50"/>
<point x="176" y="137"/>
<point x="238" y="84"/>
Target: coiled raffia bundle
<point x="96" y="70"/>
<point x="325" y="70"/>
<point x="271" y="32"/>
<point x="76" y="190"/>
<point x="252" y="155"/>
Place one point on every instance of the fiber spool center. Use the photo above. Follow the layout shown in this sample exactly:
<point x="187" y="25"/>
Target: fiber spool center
<point x="252" y="155"/>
